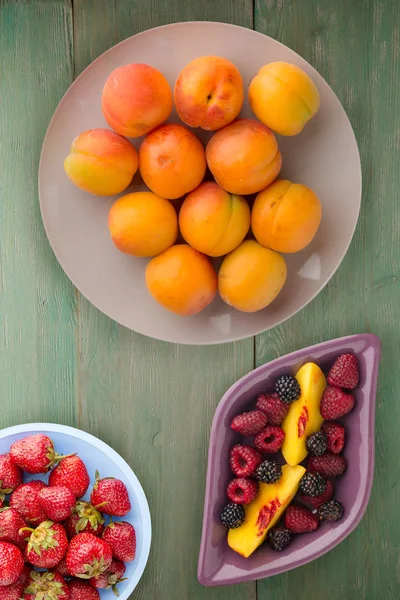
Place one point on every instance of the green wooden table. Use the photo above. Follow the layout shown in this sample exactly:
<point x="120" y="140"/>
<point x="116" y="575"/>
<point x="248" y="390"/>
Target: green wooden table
<point x="61" y="360"/>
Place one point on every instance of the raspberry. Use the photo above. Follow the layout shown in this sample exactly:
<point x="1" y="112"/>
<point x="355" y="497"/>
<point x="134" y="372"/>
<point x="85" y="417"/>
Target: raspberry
<point x="249" y="423"/>
<point x="312" y="484"/>
<point x="329" y="465"/>
<point x="288" y="388"/>
<point x="274" y="408"/>
<point x="317" y="501"/>
<point x="300" y="520"/>
<point x="332" y="510"/>
<point x="232" y="516"/>
<point x="278" y="538"/>
<point x="242" y="491"/>
<point x="335" y="403"/>
<point x="270" y="439"/>
<point x="335" y="436"/>
<point x="316" y="444"/>
<point x="244" y="460"/>
<point x="269" y="471"/>
<point x="344" y="373"/>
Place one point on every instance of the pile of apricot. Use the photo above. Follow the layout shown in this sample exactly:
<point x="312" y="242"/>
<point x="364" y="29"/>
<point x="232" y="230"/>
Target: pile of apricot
<point x="209" y="212"/>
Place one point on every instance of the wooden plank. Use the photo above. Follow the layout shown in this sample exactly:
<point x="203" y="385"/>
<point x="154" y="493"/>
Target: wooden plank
<point x="37" y="302"/>
<point x="154" y="402"/>
<point x="356" y="47"/>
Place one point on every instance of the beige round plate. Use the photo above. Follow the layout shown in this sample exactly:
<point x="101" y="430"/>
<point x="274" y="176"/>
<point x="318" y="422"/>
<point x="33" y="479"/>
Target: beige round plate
<point x="324" y="157"/>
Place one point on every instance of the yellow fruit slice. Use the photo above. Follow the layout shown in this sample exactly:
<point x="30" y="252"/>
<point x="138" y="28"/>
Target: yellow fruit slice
<point x="304" y="417"/>
<point x="265" y="510"/>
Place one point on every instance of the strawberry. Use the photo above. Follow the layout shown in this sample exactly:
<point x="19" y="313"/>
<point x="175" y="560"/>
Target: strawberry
<point x="317" y="501"/>
<point x="10" y="524"/>
<point x="270" y="439"/>
<point x="25" y="501"/>
<point x="121" y="537"/>
<point x="335" y="403"/>
<point x="244" y="460"/>
<point x="11" y="563"/>
<point x="46" y="586"/>
<point x="10" y="476"/>
<point x="80" y="590"/>
<point x="88" y="556"/>
<point x="86" y="518"/>
<point x="329" y="465"/>
<point x="242" y="490"/>
<point x="62" y="569"/>
<point x="15" y="590"/>
<point x="112" y="495"/>
<point x="57" y="502"/>
<point x="300" y="520"/>
<point x="47" y="545"/>
<point x="249" y="423"/>
<point x="34" y="453"/>
<point x="72" y="473"/>
<point x="274" y="408"/>
<point x="110" y="578"/>
<point x="344" y="372"/>
<point x="335" y="436"/>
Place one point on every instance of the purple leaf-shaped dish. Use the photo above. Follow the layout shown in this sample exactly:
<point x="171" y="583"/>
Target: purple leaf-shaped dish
<point x="218" y="564"/>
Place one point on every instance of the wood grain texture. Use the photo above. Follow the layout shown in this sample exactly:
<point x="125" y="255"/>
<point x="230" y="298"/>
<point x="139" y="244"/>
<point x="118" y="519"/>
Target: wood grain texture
<point x="152" y="401"/>
<point x="355" y="45"/>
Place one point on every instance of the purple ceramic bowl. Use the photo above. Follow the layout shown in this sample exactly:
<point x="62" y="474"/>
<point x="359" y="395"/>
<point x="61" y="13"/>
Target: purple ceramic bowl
<point x="218" y="564"/>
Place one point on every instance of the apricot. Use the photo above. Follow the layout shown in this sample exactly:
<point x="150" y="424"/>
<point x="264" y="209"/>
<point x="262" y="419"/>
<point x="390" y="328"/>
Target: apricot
<point x="283" y="97"/>
<point x="136" y="98"/>
<point x="244" y="157"/>
<point x="143" y="224"/>
<point x="209" y="93"/>
<point x="172" y="161"/>
<point x="214" y="221"/>
<point x="251" y="277"/>
<point x="182" y="280"/>
<point x="286" y="216"/>
<point x="101" y="162"/>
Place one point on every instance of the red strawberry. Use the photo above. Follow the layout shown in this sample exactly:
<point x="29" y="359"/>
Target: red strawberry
<point x="317" y="501"/>
<point x="11" y="563"/>
<point x="329" y="465"/>
<point x="244" y="460"/>
<point x="16" y="590"/>
<point x="110" y="579"/>
<point x="72" y="473"/>
<point x="46" y="586"/>
<point x="121" y="537"/>
<point x="10" y="476"/>
<point x="86" y="518"/>
<point x="274" y="408"/>
<point x="344" y="373"/>
<point x="300" y="520"/>
<point x="57" y="502"/>
<point x="47" y="545"/>
<point x="25" y="501"/>
<point x="34" y="453"/>
<point x="80" y="590"/>
<point x="335" y="403"/>
<point x="241" y="490"/>
<point x="249" y="423"/>
<point x="112" y="495"/>
<point x="88" y="556"/>
<point x="10" y="525"/>
<point x="270" y="439"/>
<point x="62" y="569"/>
<point x="335" y="436"/>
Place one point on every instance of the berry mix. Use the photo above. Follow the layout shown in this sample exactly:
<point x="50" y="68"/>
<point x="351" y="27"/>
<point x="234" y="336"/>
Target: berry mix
<point x="261" y="493"/>
<point x="53" y="544"/>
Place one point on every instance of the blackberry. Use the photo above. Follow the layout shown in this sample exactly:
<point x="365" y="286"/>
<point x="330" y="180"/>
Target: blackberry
<point x="331" y="511"/>
<point x="279" y="538"/>
<point x="312" y="484"/>
<point x="269" y="471"/>
<point x="232" y="516"/>
<point x="287" y="388"/>
<point x="317" y="444"/>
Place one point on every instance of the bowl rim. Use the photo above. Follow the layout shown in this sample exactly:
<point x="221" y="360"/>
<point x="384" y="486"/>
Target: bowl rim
<point x="373" y="341"/>
<point x="142" y="504"/>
